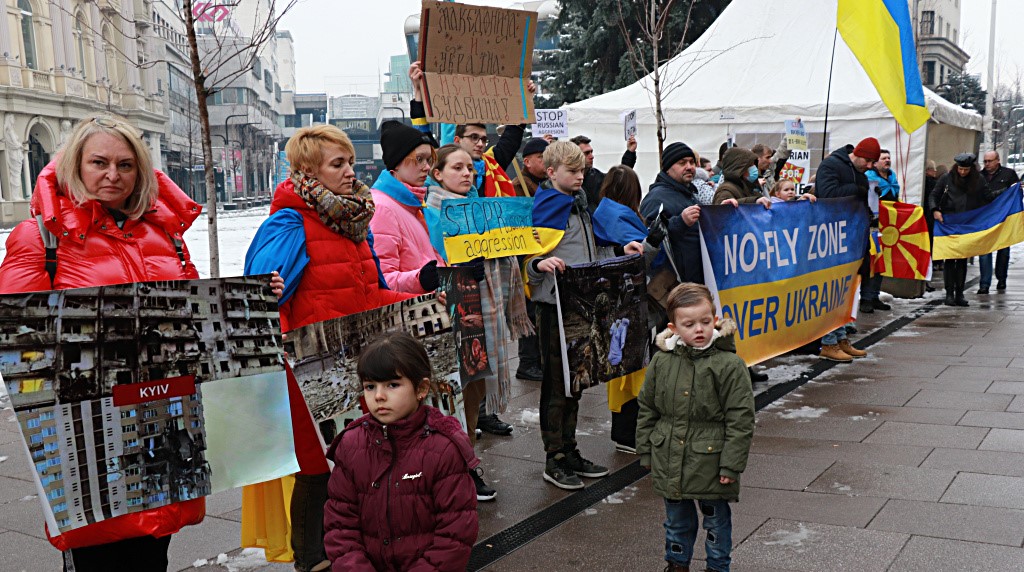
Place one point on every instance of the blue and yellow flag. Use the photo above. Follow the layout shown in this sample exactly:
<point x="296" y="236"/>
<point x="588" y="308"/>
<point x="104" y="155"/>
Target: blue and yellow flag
<point x="996" y="225"/>
<point x="551" y="210"/>
<point x="880" y="35"/>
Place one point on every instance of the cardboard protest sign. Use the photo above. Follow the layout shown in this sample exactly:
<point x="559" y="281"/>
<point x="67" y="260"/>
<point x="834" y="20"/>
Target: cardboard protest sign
<point x="629" y="123"/>
<point x="488" y="228"/>
<point x="324" y="357"/>
<point x="787" y="275"/>
<point x="603" y="310"/>
<point x="476" y="63"/>
<point x="137" y="396"/>
<point x="466" y="312"/>
<point x="554" y="122"/>
<point x="798" y="166"/>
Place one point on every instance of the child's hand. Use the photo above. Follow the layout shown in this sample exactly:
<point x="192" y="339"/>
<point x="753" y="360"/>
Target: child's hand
<point x="726" y="480"/>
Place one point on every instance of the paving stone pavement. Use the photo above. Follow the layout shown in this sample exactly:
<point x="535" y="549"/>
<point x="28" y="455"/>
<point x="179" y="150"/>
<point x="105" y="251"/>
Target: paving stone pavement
<point x="911" y="459"/>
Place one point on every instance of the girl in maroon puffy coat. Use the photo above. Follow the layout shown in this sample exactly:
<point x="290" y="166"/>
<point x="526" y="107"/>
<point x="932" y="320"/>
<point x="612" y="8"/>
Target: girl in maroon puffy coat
<point x="400" y="495"/>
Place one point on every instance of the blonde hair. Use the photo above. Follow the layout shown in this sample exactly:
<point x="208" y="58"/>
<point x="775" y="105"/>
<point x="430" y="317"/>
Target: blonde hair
<point x="69" y="163"/>
<point x="305" y="149"/>
<point x="564" y="153"/>
<point x="778" y="187"/>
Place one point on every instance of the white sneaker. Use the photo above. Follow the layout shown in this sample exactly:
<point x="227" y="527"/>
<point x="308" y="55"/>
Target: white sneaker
<point x="625" y="449"/>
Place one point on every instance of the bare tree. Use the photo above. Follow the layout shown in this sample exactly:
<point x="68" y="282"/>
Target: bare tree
<point x="653" y="48"/>
<point x="225" y="56"/>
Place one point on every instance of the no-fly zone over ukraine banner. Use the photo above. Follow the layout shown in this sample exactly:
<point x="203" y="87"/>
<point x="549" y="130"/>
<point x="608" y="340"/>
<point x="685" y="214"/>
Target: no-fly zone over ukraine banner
<point x="786" y="275"/>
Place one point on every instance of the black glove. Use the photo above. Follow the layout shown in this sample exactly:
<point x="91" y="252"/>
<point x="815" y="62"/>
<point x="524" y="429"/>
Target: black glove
<point x="476" y="268"/>
<point x="428" y="276"/>
<point x="658" y="231"/>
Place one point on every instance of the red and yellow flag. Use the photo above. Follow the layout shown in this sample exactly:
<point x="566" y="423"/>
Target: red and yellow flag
<point x="905" y="252"/>
<point x="496" y="182"/>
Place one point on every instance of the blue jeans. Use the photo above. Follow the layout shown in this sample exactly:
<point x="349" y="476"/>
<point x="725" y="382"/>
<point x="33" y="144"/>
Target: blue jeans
<point x="870" y="288"/>
<point x="834" y="337"/>
<point x="985" y="267"/>
<point x="681" y="532"/>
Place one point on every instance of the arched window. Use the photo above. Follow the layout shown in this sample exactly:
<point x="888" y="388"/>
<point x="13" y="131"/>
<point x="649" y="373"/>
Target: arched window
<point x="80" y="43"/>
<point x="28" y="36"/>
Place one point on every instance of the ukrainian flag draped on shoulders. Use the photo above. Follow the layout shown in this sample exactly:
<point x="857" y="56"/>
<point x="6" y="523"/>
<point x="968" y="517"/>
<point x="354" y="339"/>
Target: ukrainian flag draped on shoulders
<point x="994" y="226"/>
<point x="551" y="210"/>
<point x="880" y="34"/>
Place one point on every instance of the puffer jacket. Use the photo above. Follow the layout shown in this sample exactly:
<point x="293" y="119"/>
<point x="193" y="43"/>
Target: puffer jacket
<point x="341" y="277"/>
<point x="400" y="234"/>
<point x="837" y="178"/>
<point x="672" y="197"/>
<point x="696" y="417"/>
<point x="93" y="251"/>
<point x="735" y="185"/>
<point x="400" y="496"/>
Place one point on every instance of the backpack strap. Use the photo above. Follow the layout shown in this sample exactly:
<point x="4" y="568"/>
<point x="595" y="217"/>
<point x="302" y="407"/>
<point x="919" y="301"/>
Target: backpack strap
<point x="50" y="242"/>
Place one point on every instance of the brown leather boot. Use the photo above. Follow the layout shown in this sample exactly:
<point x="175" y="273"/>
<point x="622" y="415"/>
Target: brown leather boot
<point x="851" y="351"/>
<point x="834" y="353"/>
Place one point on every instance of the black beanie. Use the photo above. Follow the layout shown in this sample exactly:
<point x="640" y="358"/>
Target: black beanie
<point x="674" y="153"/>
<point x="397" y="140"/>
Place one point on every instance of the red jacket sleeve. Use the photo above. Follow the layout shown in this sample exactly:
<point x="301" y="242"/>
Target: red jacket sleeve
<point x="343" y="539"/>
<point x="23" y="268"/>
<point x="456" y="525"/>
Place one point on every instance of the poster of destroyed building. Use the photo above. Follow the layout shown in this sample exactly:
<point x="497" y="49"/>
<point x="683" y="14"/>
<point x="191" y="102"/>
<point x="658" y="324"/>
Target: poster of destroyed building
<point x="324" y="357"/>
<point x="466" y="313"/>
<point x="120" y="390"/>
<point x="604" y="321"/>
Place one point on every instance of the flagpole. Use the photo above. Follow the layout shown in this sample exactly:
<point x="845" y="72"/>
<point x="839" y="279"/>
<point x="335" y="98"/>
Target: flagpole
<point x="828" y="96"/>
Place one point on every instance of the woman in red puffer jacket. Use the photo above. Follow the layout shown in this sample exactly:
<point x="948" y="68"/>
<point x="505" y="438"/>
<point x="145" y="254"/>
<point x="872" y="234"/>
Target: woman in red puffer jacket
<point x="400" y="496"/>
<point x="117" y="220"/>
<point x="318" y="237"/>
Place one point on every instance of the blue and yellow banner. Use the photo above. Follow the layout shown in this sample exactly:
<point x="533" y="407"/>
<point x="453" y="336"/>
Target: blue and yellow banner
<point x="786" y="275"/>
<point x="488" y="228"/>
<point x="996" y="225"/>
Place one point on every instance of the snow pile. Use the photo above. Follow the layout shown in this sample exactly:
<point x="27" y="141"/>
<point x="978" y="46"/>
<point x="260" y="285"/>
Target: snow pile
<point x="805" y="412"/>
<point x="530" y="416"/>
<point x="791" y="539"/>
<point x="842" y="487"/>
<point x="2" y="458"/>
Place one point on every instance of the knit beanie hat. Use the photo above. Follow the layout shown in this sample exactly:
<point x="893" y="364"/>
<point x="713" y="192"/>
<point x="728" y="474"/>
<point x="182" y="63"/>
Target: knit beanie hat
<point x="674" y="153"/>
<point x="868" y="149"/>
<point x="535" y="145"/>
<point x="397" y="140"/>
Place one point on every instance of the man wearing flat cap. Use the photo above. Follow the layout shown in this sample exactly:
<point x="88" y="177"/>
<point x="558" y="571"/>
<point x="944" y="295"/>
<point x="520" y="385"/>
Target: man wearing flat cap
<point x="674" y="196"/>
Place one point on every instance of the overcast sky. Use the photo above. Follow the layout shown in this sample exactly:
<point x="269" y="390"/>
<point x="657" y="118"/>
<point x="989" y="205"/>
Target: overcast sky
<point x="343" y="46"/>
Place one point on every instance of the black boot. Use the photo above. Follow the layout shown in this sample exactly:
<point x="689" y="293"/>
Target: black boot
<point x="949" y="281"/>
<point x="961" y="279"/>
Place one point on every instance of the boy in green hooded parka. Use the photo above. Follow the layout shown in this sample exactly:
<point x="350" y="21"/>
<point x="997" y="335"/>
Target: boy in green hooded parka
<point x="695" y="425"/>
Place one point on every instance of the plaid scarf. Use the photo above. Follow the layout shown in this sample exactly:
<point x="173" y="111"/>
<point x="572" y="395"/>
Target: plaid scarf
<point x="347" y="215"/>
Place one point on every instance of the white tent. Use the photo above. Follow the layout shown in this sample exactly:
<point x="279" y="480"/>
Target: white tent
<point x="759" y="64"/>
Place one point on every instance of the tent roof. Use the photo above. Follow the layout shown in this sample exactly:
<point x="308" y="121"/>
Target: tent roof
<point x="761" y="61"/>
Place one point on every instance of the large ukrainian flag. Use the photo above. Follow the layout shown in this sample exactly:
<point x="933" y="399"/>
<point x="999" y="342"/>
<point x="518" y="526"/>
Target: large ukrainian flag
<point x="880" y="35"/>
<point x="996" y="225"/>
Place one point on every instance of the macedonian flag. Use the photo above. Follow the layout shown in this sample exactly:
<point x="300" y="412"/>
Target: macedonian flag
<point x="904" y="244"/>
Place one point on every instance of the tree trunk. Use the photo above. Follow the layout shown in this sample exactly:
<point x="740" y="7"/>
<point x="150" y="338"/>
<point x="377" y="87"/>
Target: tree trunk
<point x="199" y="81"/>
<point x="659" y="120"/>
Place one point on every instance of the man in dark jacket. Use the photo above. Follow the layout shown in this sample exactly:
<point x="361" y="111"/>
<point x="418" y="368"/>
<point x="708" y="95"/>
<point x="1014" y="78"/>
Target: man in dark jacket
<point x="997" y="179"/>
<point x="674" y="195"/>
<point x="533" y="173"/>
<point x="592" y="178"/>
<point x="841" y="174"/>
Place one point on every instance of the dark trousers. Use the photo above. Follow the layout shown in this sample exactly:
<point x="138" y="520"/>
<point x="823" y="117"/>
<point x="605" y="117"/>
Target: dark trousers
<point x="143" y="554"/>
<point x="557" y="412"/>
<point x="624" y="423"/>
<point x="954" y="275"/>
<point x="307" y="513"/>
<point x="529" y="347"/>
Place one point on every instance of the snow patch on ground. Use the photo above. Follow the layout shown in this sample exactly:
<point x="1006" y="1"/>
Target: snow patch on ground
<point x="590" y="512"/>
<point x="805" y="412"/>
<point x="906" y="333"/>
<point x="2" y="459"/>
<point x="792" y="539"/>
<point x="200" y="563"/>
<point x="29" y="498"/>
<point x="247" y="559"/>
<point x="614" y="498"/>
<point x="530" y="416"/>
<point x="842" y="487"/>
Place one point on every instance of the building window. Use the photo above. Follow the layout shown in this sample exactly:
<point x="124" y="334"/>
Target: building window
<point x="927" y="23"/>
<point x="28" y="36"/>
<point x="929" y="73"/>
<point x="80" y="43"/>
